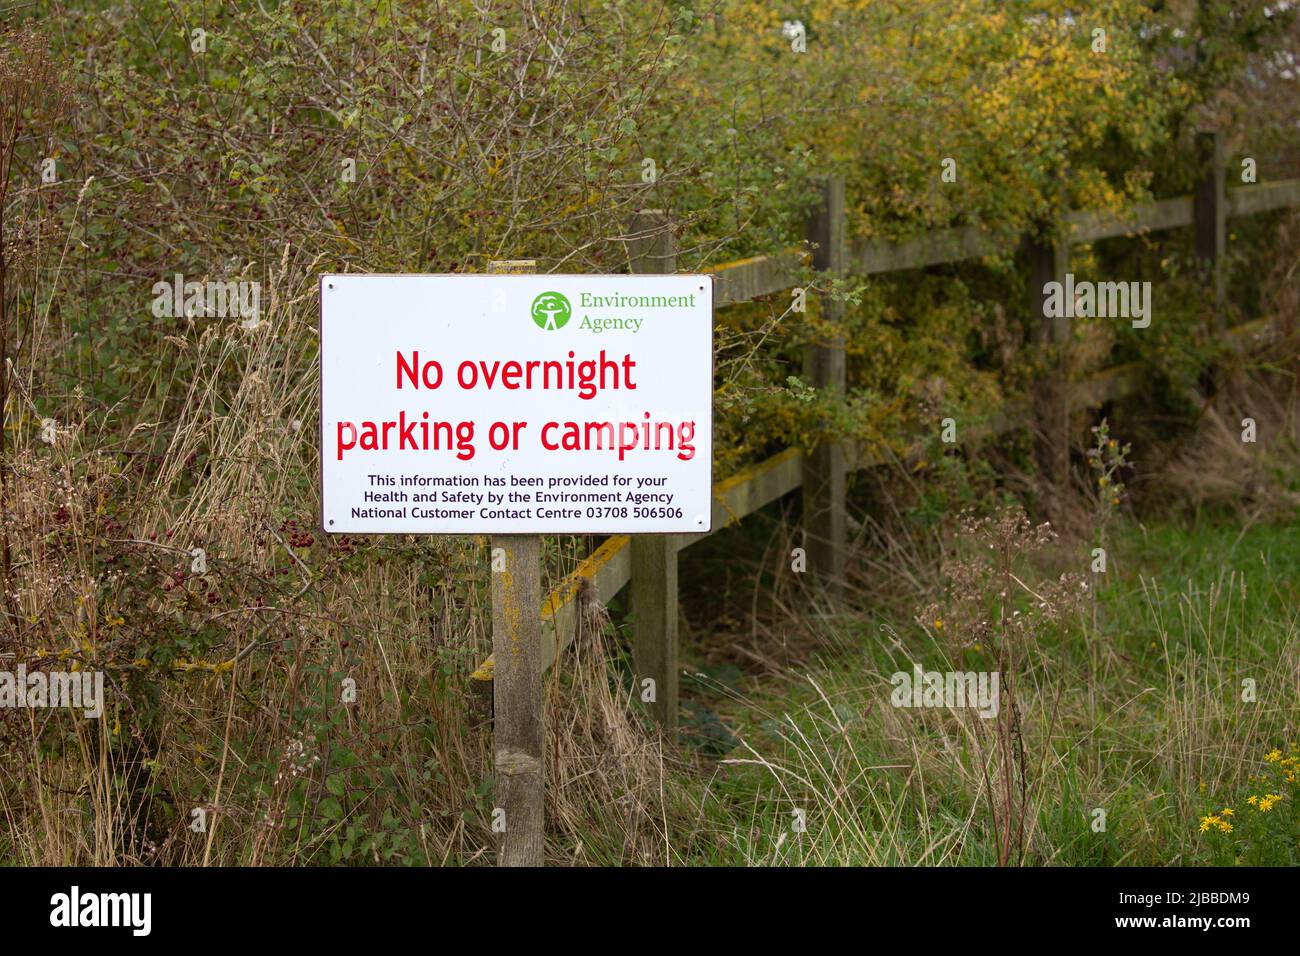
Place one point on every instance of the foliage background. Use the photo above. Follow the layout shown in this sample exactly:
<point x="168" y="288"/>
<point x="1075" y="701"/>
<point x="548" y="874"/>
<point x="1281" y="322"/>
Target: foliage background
<point x="226" y="163"/>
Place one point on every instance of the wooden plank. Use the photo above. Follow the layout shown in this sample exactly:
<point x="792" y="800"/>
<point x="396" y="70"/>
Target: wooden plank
<point x="825" y="512"/>
<point x="1091" y="225"/>
<point x="1264" y="197"/>
<point x="1210" y="218"/>
<point x="518" y="735"/>
<point x="763" y="275"/>
<point x="608" y="568"/>
<point x="746" y="491"/>
<point x="1049" y="261"/>
<point x="749" y="279"/>
<point x="654" y="627"/>
<point x="870" y="256"/>
<point x="654" y="556"/>
<point x="1251" y="335"/>
<point x="1108" y="385"/>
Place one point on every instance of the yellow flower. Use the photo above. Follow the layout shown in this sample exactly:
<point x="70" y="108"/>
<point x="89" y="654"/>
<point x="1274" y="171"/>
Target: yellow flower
<point x="1208" y="822"/>
<point x="1253" y="801"/>
<point x="938" y="624"/>
<point x="1267" y="801"/>
<point x="1226" y="811"/>
<point x="1273" y="756"/>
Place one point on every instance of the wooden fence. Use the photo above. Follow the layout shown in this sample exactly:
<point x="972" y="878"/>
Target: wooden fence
<point x="649" y="562"/>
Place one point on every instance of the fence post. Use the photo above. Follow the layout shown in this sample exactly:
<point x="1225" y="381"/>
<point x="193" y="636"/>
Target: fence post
<point x="653" y="251"/>
<point x="1210" y="214"/>
<point x="518" y="734"/>
<point x="824" y="470"/>
<point x="1049" y="261"/>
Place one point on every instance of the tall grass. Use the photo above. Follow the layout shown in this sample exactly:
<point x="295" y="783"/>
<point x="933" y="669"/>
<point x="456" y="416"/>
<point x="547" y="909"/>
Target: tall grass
<point x="1138" y="713"/>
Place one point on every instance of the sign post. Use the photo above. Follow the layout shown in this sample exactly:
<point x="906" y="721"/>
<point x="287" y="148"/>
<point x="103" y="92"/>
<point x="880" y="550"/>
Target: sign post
<point x="515" y="405"/>
<point x="518" y="733"/>
<point x="654" y="557"/>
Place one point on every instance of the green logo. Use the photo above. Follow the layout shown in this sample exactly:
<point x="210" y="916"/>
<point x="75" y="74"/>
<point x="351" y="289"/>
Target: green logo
<point x="551" y="311"/>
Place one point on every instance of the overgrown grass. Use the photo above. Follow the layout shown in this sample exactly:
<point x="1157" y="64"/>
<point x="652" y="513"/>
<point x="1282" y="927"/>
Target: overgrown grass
<point x="1135" y="709"/>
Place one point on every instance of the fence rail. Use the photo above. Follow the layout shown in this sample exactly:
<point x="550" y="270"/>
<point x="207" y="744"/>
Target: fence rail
<point x="611" y="566"/>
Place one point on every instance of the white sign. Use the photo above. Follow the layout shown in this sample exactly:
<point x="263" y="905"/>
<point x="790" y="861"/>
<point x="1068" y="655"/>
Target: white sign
<point x="516" y="404"/>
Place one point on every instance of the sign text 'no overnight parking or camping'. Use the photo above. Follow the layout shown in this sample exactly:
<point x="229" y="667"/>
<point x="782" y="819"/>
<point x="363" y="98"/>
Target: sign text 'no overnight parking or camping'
<point x="516" y="404"/>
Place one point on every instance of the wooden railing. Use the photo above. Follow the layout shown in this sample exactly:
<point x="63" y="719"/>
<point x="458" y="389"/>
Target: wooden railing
<point x="649" y="561"/>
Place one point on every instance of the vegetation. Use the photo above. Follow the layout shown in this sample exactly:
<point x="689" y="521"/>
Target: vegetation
<point x="158" y="474"/>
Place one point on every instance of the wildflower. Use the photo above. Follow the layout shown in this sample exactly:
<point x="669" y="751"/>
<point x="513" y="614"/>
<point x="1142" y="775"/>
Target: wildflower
<point x="1226" y="811"/>
<point x="1273" y="756"/>
<point x="1267" y="801"/>
<point x="1208" y="822"/>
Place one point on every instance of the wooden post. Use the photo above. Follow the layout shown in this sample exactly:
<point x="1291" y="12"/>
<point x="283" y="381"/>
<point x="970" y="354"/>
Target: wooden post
<point x="824" y="471"/>
<point x="654" y="556"/>
<point x="1210" y="215"/>
<point x="518" y="733"/>
<point x="1049" y="261"/>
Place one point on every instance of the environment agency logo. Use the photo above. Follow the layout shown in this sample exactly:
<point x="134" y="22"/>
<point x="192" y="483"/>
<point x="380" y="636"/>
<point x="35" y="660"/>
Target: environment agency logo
<point x="551" y="311"/>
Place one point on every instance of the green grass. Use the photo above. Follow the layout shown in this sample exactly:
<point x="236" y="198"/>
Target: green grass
<point x="1134" y="708"/>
